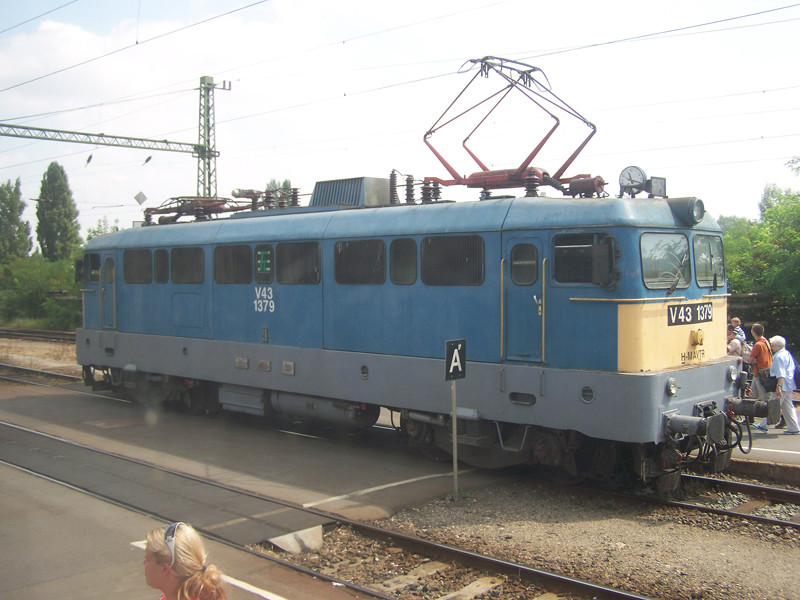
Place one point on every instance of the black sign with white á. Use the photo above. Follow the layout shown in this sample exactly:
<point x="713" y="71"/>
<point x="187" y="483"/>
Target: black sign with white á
<point x="455" y="363"/>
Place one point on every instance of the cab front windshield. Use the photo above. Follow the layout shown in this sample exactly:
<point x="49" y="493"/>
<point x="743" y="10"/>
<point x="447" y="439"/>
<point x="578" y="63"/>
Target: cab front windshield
<point x="667" y="261"/>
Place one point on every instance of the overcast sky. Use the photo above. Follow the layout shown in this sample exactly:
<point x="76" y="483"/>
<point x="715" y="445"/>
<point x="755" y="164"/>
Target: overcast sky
<point x="706" y="94"/>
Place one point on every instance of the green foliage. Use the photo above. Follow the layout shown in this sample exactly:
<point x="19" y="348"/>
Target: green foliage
<point x="780" y="247"/>
<point x="101" y="228"/>
<point x="763" y="257"/>
<point x="286" y="186"/>
<point x="58" y="229"/>
<point x="15" y="234"/>
<point x="740" y="266"/>
<point x="63" y="314"/>
<point x="39" y="293"/>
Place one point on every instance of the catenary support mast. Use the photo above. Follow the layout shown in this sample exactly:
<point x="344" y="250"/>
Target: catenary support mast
<point x="204" y="150"/>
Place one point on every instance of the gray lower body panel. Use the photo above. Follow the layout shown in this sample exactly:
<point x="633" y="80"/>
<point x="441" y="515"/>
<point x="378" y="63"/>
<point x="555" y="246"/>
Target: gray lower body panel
<point x="605" y="405"/>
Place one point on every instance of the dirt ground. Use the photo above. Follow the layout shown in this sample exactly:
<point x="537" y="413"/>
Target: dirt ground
<point x="48" y="356"/>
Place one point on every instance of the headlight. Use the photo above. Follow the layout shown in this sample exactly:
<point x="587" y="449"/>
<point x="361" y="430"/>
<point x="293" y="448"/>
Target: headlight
<point x="689" y="211"/>
<point x="733" y="373"/>
<point x="672" y="386"/>
<point x="697" y="210"/>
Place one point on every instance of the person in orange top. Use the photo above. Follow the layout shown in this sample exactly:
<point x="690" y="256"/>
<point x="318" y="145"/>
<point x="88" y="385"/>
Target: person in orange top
<point x="761" y="358"/>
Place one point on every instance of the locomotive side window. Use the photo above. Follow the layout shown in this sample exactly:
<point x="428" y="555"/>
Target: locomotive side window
<point x="91" y="267"/>
<point x="709" y="265"/>
<point x="108" y="270"/>
<point x="360" y="262"/>
<point x="452" y="260"/>
<point x="137" y="266"/>
<point x="298" y="262"/>
<point x="264" y="263"/>
<point x="161" y="265"/>
<point x="573" y="258"/>
<point x="233" y="264"/>
<point x="665" y="261"/>
<point x="403" y="261"/>
<point x="188" y="265"/>
<point x="586" y="258"/>
<point x="524" y="264"/>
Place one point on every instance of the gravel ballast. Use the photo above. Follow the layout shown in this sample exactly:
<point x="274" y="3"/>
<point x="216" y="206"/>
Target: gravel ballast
<point x="655" y="551"/>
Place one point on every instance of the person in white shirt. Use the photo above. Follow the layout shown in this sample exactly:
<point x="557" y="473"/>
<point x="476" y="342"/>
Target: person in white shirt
<point x="783" y="368"/>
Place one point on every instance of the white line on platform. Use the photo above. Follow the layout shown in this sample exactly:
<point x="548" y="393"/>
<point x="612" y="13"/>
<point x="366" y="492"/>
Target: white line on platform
<point x="777" y="451"/>
<point x="381" y="487"/>
<point x="252" y="589"/>
<point x="243" y="585"/>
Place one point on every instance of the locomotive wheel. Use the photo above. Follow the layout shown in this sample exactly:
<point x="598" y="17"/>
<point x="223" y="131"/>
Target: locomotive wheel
<point x="558" y="475"/>
<point x="597" y="459"/>
<point x="668" y="482"/>
<point x="147" y="393"/>
<point x="197" y="399"/>
<point x="88" y="375"/>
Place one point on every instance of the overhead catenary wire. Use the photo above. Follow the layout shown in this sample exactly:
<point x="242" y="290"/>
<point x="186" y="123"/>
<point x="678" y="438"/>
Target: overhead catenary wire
<point x="30" y="20"/>
<point x="134" y="45"/>
<point x="320" y="101"/>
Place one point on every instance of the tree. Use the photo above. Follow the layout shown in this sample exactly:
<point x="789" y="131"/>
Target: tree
<point x="743" y="270"/>
<point x="274" y="185"/>
<point x="35" y="292"/>
<point x="58" y="228"/>
<point x="15" y="234"/>
<point x="102" y="228"/>
<point x="781" y="247"/>
<point x="763" y="257"/>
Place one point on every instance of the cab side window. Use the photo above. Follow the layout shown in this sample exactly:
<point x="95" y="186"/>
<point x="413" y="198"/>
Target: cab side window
<point x="187" y="265"/>
<point x="524" y="264"/>
<point x="137" y="266"/>
<point x="360" y="262"/>
<point x="233" y="264"/>
<point x="298" y="263"/>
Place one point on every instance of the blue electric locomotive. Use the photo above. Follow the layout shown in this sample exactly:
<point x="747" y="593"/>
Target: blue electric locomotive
<point x="592" y="345"/>
<point x="595" y="325"/>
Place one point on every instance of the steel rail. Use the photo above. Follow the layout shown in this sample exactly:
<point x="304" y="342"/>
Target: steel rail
<point x="38" y="334"/>
<point x="770" y="494"/>
<point x="30" y="371"/>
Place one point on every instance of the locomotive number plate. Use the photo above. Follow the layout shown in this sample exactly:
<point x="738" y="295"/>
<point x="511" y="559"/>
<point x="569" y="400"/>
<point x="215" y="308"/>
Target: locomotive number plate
<point x="686" y="314"/>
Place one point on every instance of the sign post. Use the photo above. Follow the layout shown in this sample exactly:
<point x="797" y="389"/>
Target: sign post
<point x="455" y="368"/>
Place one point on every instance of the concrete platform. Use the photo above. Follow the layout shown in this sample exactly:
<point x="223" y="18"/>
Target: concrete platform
<point x="59" y="543"/>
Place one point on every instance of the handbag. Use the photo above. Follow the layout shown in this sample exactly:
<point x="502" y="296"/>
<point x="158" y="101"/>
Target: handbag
<point x="769" y="383"/>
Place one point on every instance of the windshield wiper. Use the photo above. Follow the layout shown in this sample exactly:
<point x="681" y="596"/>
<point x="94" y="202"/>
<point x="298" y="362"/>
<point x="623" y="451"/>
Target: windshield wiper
<point x="671" y="289"/>
<point x="714" y="285"/>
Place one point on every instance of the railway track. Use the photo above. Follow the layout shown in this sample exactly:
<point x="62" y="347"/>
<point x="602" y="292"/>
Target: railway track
<point x="256" y="519"/>
<point x="759" y="503"/>
<point x="30" y="375"/>
<point x="40" y="335"/>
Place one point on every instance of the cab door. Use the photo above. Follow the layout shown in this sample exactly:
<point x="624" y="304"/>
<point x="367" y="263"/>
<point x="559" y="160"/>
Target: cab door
<point x="523" y="298"/>
<point x="108" y="293"/>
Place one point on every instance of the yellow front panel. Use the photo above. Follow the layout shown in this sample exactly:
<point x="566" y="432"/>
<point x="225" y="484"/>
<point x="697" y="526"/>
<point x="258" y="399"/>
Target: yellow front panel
<point x="648" y="343"/>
